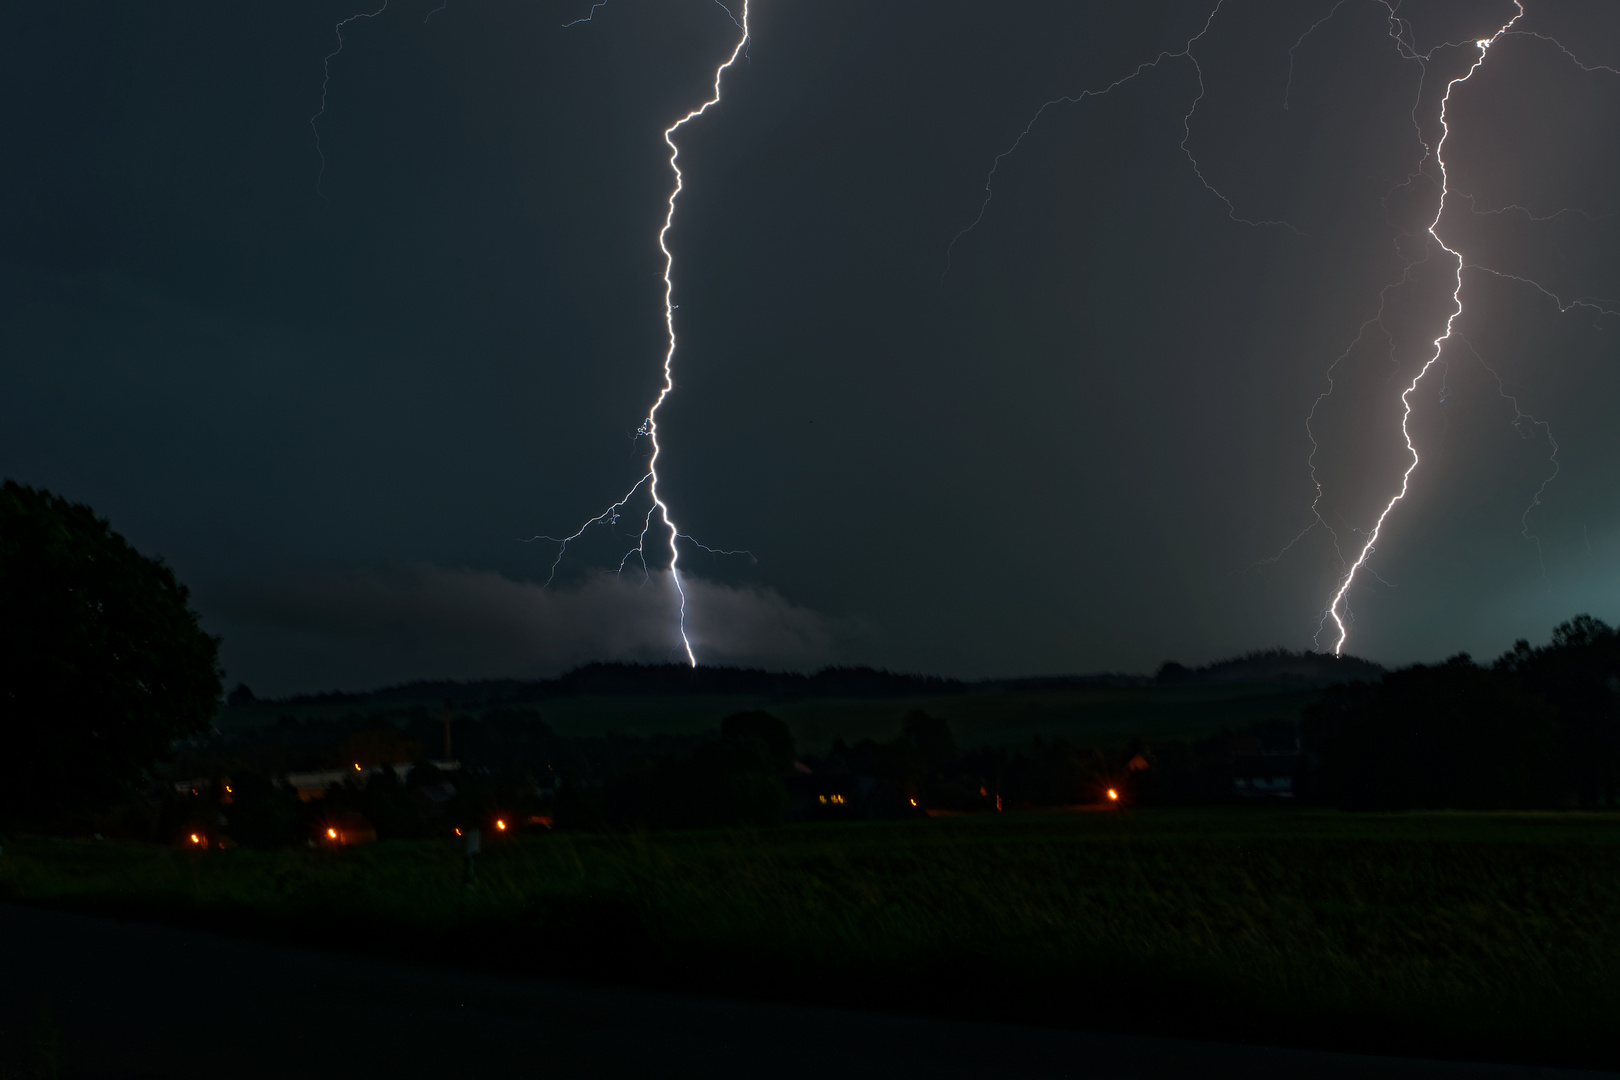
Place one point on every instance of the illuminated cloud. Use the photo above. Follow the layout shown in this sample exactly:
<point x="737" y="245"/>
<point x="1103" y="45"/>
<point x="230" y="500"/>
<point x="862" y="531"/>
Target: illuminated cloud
<point x="376" y="627"/>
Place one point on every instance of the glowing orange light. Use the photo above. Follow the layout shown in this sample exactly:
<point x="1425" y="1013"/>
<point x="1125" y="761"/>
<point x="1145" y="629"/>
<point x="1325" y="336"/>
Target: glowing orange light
<point x="1113" y="796"/>
<point x="227" y="789"/>
<point x="458" y="832"/>
<point x="331" y="834"/>
<point x="500" y="825"/>
<point x="913" y="802"/>
<point x="357" y="766"/>
<point x="194" y="839"/>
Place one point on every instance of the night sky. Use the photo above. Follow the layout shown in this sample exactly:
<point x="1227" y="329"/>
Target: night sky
<point x="339" y="402"/>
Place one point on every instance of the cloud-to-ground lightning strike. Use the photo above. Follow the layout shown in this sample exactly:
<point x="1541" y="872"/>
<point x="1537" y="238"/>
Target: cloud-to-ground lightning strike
<point x="649" y="426"/>
<point x="1439" y="344"/>
<point x="326" y="78"/>
<point x="1399" y="31"/>
<point x="1184" y="53"/>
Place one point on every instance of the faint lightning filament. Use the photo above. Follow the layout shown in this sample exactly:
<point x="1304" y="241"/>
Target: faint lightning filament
<point x="326" y="79"/>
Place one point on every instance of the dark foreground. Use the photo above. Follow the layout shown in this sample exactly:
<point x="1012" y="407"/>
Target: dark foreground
<point x="1481" y="937"/>
<point x="136" y="1001"/>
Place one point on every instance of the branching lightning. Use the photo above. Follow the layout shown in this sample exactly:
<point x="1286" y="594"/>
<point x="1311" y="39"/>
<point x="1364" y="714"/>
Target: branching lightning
<point x="1561" y="47"/>
<point x="1294" y="48"/>
<point x="1525" y="425"/>
<point x="659" y="516"/>
<point x="649" y="426"/>
<point x="1439" y="344"/>
<point x="1400" y="32"/>
<point x="326" y="78"/>
<point x="588" y="16"/>
<point x="1184" y="53"/>
<point x="1531" y="215"/>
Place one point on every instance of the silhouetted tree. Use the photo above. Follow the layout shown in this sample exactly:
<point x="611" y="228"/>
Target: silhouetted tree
<point x="380" y="745"/>
<point x="1454" y="735"/>
<point x="771" y="732"/>
<point x="932" y="737"/>
<point x="731" y="782"/>
<point x="260" y="815"/>
<point x="390" y="808"/>
<point x="102" y="663"/>
<point x="1579" y="675"/>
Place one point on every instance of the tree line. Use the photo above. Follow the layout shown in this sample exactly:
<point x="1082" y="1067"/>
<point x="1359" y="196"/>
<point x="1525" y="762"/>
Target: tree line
<point x="108" y="688"/>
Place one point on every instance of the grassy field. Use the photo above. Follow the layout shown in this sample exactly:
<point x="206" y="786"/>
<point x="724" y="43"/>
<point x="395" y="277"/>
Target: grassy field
<point x="1092" y="715"/>
<point x="1459" y="935"/>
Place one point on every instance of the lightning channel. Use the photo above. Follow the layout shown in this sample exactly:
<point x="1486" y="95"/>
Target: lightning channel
<point x="326" y="78"/>
<point x="1184" y="53"/>
<point x="1337" y="602"/>
<point x="1294" y="48"/>
<point x="1565" y="49"/>
<point x="659" y="515"/>
<point x="588" y="16"/>
<point x="1531" y="215"/>
<point x="1599" y="307"/>
<point x="1525" y="424"/>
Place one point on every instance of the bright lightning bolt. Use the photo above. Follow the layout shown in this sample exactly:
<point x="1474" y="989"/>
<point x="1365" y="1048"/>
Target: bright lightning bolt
<point x="649" y="427"/>
<point x="1400" y="32"/>
<point x="1439" y="344"/>
<point x="326" y="78"/>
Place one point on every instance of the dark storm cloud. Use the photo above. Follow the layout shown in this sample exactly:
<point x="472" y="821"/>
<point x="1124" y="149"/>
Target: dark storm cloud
<point x="364" y="628"/>
<point x="1062" y="457"/>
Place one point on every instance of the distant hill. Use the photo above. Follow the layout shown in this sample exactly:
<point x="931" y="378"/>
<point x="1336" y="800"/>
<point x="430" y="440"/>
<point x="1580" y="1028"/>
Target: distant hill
<point x="661" y="680"/>
<point x="1274" y="666"/>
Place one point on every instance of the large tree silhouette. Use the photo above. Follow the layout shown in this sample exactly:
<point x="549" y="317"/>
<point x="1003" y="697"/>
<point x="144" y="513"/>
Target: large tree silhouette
<point x="1579" y="673"/>
<point x="102" y="663"/>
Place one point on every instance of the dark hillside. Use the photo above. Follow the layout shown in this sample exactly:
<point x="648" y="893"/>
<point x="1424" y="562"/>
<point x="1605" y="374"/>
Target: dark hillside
<point x="1278" y="666"/>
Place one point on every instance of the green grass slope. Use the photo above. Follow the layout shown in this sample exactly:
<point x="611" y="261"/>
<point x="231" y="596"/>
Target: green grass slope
<point x="1458" y="935"/>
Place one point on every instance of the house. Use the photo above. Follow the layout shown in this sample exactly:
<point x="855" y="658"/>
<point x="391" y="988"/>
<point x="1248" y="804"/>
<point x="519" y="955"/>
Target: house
<point x="313" y="785"/>
<point x="833" y="796"/>
<point x="433" y="798"/>
<point x="347" y="830"/>
<point x="1267" y="773"/>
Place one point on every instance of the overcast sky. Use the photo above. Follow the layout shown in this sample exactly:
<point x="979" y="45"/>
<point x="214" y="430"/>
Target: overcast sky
<point x="338" y="398"/>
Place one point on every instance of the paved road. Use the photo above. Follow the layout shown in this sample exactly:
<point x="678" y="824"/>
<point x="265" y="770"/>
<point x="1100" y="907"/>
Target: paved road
<point x="140" y="1001"/>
